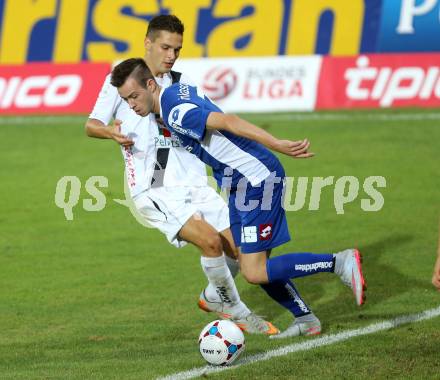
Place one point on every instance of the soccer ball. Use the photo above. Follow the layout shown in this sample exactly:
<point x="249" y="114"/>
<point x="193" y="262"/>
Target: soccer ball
<point x="221" y="342"/>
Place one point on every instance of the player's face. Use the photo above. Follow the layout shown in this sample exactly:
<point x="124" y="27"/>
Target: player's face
<point x="138" y="98"/>
<point x="163" y="51"/>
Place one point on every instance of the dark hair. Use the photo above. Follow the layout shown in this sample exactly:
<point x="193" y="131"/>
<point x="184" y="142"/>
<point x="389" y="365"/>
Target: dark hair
<point x="169" y="23"/>
<point x="133" y="67"/>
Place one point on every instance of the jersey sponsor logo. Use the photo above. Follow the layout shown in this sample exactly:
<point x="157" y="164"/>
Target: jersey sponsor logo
<point x="314" y="266"/>
<point x="249" y="234"/>
<point x="265" y="231"/>
<point x="166" y="142"/>
<point x="165" y="138"/>
<point x="219" y="82"/>
<point x="183" y="93"/>
<point x="184" y="131"/>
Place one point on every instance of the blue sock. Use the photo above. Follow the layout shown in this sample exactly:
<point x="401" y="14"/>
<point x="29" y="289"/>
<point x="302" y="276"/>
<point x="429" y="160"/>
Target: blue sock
<point x="294" y="265"/>
<point x="285" y="293"/>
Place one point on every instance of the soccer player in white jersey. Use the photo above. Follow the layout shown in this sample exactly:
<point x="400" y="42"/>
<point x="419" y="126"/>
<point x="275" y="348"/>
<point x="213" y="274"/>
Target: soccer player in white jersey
<point x="236" y="151"/>
<point x="169" y="186"/>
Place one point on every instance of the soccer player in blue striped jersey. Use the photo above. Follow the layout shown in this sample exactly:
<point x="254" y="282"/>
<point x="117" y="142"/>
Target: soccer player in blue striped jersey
<point x="236" y="151"/>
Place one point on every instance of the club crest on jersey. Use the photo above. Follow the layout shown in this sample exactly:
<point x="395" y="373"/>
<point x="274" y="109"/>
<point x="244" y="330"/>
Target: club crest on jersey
<point x="164" y="132"/>
<point x="175" y="114"/>
<point x="265" y="231"/>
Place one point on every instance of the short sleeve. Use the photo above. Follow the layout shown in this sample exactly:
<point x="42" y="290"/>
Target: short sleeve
<point x="188" y="119"/>
<point x="107" y="102"/>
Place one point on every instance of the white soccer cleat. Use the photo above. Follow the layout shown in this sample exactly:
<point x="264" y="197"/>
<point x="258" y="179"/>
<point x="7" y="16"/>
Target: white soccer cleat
<point x="297" y="328"/>
<point x="217" y="307"/>
<point x="254" y="324"/>
<point x="352" y="273"/>
<point x="251" y="323"/>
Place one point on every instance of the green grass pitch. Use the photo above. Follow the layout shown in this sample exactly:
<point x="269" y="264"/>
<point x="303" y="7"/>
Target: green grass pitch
<point x="101" y="297"/>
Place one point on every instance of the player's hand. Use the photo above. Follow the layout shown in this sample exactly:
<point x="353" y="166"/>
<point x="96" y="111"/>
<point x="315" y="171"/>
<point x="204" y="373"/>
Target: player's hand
<point x="115" y="131"/>
<point x="295" y="149"/>
<point x="436" y="275"/>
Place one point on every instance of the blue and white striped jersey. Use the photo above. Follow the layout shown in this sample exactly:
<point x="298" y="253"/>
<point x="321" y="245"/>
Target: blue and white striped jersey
<point x="185" y="109"/>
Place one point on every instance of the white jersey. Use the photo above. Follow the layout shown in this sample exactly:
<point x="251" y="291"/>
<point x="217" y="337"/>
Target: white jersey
<point x="156" y="159"/>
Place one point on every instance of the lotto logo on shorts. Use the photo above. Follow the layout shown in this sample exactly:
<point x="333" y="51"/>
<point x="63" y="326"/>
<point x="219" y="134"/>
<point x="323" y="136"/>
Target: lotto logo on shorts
<point x="249" y="234"/>
<point x="265" y="231"/>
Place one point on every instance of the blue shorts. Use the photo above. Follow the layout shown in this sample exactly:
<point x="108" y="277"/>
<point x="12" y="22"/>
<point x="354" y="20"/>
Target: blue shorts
<point x="262" y="228"/>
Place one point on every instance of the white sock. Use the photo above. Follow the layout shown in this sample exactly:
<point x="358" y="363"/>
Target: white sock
<point x="211" y="293"/>
<point x="211" y="290"/>
<point x="220" y="279"/>
<point x="219" y="276"/>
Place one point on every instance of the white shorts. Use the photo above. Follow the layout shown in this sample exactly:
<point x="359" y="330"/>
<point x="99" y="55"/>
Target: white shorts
<point x="168" y="209"/>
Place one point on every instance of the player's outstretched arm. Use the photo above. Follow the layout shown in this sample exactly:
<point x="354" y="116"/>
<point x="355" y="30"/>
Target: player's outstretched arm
<point x="96" y="128"/>
<point x="242" y="128"/>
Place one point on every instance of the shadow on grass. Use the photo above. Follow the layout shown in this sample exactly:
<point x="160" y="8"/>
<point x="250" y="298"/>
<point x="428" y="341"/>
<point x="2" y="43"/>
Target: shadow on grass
<point x="333" y="302"/>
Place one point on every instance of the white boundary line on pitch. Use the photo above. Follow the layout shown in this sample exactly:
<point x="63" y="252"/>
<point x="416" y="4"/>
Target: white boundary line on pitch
<point x="81" y="119"/>
<point x="310" y="344"/>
